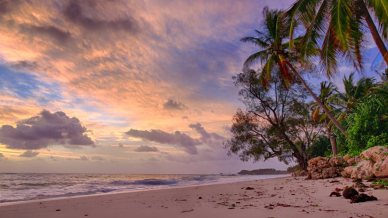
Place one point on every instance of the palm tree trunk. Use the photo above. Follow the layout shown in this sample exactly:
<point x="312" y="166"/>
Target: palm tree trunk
<point x="375" y="33"/>
<point x="333" y="141"/>
<point x="327" y="111"/>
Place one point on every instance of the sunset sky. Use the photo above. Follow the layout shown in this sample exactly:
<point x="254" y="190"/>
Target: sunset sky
<point x="140" y="86"/>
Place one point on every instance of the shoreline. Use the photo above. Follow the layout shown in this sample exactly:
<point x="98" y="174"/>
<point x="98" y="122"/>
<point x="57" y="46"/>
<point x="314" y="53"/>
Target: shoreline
<point x="139" y="190"/>
<point x="279" y="197"/>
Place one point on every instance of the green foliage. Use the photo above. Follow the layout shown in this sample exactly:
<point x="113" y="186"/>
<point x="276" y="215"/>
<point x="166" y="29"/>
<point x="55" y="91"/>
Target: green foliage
<point x="381" y="182"/>
<point x="367" y="124"/>
<point x="337" y="28"/>
<point x="320" y="147"/>
<point x="275" y="123"/>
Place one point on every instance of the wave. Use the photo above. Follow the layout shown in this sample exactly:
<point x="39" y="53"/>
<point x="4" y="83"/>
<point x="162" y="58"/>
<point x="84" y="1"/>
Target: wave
<point x="150" y="182"/>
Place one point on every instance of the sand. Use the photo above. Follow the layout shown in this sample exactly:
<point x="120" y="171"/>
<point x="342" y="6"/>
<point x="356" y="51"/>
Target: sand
<point x="283" y="197"/>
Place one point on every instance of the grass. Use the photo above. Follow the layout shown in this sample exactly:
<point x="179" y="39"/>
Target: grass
<point x="381" y="182"/>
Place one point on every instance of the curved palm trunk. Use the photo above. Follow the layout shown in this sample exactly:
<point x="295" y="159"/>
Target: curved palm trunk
<point x="327" y="111"/>
<point x="375" y="33"/>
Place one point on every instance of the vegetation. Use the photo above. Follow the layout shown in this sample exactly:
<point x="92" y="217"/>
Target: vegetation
<point x="381" y="182"/>
<point x="276" y="122"/>
<point x="274" y="52"/>
<point x="337" y="28"/>
<point x="278" y="119"/>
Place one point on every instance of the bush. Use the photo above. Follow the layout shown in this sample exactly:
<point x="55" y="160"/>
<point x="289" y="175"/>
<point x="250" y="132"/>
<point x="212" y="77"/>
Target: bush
<point x="320" y="147"/>
<point x="368" y="124"/>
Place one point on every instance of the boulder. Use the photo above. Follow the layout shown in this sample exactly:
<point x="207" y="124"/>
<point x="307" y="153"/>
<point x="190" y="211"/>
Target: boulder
<point x="375" y="154"/>
<point x="353" y="161"/>
<point x="325" y="167"/>
<point x="380" y="168"/>
<point x="347" y="172"/>
<point x="372" y="162"/>
<point x="337" y="161"/>
<point x="363" y="170"/>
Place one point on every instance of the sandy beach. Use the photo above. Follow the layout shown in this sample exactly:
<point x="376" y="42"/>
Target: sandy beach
<point x="282" y="197"/>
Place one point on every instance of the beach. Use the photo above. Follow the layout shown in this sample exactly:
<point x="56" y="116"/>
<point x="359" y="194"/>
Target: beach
<point x="280" y="197"/>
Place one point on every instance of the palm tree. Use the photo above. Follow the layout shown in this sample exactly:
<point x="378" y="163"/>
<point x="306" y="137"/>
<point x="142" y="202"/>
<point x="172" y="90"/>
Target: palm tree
<point x="353" y="93"/>
<point x="274" y="52"/>
<point x="338" y="26"/>
<point x="327" y="96"/>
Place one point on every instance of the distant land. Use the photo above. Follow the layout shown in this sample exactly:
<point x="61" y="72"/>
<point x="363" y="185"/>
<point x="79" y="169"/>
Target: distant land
<point x="269" y="171"/>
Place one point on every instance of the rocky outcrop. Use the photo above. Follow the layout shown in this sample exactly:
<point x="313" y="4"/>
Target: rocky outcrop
<point x="371" y="163"/>
<point x="351" y="161"/>
<point x="325" y="167"/>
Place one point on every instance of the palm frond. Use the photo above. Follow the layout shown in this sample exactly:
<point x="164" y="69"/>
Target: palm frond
<point x="260" y="56"/>
<point x="380" y="8"/>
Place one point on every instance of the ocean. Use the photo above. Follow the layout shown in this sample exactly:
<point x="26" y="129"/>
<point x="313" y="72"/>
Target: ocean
<point x="16" y="187"/>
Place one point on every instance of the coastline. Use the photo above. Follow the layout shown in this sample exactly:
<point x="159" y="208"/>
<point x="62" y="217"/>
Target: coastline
<point x="233" y="179"/>
<point x="280" y="197"/>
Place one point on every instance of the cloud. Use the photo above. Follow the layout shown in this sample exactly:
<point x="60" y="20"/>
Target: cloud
<point x="49" y="31"/>
<point x="75" y="12"/>
<point x="44" y="130"/>
<point x="177" y="138"/>
<point x="206" y="137"/>
<point x="145" y="148"/>
<point x="29" y="153"/>
<point x="171" y="104"/>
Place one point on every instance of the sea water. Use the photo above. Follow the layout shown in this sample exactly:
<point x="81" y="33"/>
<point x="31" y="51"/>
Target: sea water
<point x="32" y="186"/>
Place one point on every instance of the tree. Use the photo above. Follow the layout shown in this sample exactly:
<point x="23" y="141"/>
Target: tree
<point x="327" y="97"/>
<point x="276" y="122"/>
<point x="368" y="122"/>
<point x="274" y="52"/>
<point x="352" y="95"/>
<point x="338" y="26"/>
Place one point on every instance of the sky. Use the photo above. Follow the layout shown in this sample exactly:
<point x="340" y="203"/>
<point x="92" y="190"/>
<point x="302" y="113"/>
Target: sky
<point x="122" y="86"/>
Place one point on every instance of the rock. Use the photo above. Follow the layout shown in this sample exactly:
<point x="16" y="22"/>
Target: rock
<point x="337" y="161"/>
<point x="349" y="192"/>
<point x="375" y="154"/>
<point x="362" y="198"/>
<point x="330" y="172"/>
<point x="363" y="170"/>
<point x="298" y="173"/>
<point x="335" y="194"/>
<point x="324" y="167"/>
<point x="372" y="162"/>
<point x="347" y="172"/>
<point x="380" y="168"/>
<point x="353" y="161"/>
<point x="377" y="186"/>
<point x="347" y="157"/>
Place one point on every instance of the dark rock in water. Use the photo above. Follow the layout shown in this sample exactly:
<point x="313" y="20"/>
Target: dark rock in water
<point x="335" y="194"/>
<point x="349" y="192"/>
<point x="199" y="197"/>
<point x="262" y="172"/>
<point x="362" y="198"/>
<point x="249" y="188"/>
